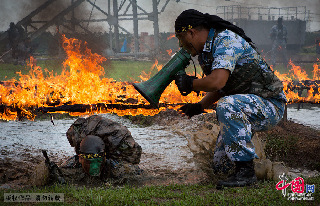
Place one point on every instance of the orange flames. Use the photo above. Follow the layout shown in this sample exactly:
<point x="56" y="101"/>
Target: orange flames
<point x="298" y="76"/>
<point x="171" y="36"/>
<point x="81" y="82"/>
<point x="169" y="52"/>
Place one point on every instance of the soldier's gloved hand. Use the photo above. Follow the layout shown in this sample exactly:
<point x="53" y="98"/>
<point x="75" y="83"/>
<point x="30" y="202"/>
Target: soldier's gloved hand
<point x="184" y="83"/>
<point x="192" y="109"/>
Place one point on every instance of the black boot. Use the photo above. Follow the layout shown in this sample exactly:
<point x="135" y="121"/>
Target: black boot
<point x="243" y="175"/>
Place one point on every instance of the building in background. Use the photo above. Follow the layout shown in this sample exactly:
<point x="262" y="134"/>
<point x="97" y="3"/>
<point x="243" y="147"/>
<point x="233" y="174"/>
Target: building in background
<point x="257" y="22"/>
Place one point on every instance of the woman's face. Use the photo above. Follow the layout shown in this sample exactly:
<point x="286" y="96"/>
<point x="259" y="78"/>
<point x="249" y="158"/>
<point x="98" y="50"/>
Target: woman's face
<point x="187" y="40"/>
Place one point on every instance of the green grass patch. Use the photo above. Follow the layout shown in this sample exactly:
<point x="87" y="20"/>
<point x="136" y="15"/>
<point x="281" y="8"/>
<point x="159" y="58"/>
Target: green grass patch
<point x="118" y="70"/>
<point x="308" y="50"/>
<point x="278" y="147"/>
<point x="9" y="71"/>
<point x="128" y="70"/>
<point x="264" y="193"/>
<point x="131" y="70"/>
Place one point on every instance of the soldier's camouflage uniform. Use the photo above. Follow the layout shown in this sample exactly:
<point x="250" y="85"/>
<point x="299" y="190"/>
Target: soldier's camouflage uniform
<point x="253" y="97"/>
<point x="278" y="36"/>
<point x="122" y="151"/>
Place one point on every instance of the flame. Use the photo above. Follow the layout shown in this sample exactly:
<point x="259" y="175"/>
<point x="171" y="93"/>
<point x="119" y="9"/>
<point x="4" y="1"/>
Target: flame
<point x="171" y="36"/>
<point x="169" y="52"/>
<point x="80" y="82"/>
<point x="299" y="77"/>
<point x="316" y="72"/>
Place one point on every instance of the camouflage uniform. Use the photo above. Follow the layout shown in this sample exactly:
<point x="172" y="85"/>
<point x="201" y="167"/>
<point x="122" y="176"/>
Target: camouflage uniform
<point x="122" y="151"/>
<point x="253" y="96"/>
<point x="278" y="36"/>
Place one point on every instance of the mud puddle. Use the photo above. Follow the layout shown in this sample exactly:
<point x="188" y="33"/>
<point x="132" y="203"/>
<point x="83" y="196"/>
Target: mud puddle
<point x="21" y="142"/>
<point x="307" y="115"/>
<point x="170" y="151"/>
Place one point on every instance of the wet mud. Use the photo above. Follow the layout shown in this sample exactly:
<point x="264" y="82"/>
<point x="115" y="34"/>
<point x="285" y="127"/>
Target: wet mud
<point x="166" y="157"/>
<point x="175" y="149"/>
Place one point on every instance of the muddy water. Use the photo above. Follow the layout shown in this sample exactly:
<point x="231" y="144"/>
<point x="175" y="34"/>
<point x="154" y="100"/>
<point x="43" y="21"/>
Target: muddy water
<point x="308" y="115"/>
<point x="161" y="148"/>
<point x="20" y="137"/>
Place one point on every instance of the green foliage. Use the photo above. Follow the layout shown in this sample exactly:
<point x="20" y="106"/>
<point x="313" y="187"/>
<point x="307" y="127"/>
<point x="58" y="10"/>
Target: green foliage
<point x="310" y="38"/>
<point x="278" y="147"/>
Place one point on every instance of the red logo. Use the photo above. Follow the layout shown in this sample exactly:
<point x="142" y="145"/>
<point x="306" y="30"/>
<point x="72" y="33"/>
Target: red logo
<point x="297" y="185"/>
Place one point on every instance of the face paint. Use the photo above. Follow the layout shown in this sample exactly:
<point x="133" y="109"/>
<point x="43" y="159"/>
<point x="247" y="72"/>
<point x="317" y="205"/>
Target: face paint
<point x="95" y="166"/>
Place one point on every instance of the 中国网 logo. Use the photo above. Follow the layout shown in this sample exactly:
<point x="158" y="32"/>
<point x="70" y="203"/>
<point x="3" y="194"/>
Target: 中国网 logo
<point x="299" y="190"/>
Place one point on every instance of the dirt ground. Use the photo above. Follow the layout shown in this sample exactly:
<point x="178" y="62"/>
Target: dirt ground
<point x="296" y="145"/>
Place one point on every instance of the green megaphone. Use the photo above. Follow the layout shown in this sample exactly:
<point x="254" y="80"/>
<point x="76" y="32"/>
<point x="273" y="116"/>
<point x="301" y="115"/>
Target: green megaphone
<point x="152" y="89"/>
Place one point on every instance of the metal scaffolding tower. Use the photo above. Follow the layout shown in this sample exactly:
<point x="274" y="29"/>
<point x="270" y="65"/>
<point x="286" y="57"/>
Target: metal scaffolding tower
<point x="113" y="13"/>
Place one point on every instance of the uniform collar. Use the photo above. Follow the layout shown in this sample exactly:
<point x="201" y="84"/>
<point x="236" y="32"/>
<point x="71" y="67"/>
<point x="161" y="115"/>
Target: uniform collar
<point x="208" y="45"/>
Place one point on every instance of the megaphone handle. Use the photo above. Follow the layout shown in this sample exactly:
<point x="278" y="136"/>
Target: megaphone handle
<point x="182" y="72"/>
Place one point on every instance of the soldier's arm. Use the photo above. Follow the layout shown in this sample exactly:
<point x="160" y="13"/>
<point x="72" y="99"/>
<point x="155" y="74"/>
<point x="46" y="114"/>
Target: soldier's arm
<point x="210" y="98"/>
<point x="213" y="82"/>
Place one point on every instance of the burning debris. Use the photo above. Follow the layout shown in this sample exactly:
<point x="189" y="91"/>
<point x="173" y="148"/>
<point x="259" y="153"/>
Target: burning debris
<point x="298" y="81"/>
<point x="80" y="83"/>
<point x="81" y="88"/>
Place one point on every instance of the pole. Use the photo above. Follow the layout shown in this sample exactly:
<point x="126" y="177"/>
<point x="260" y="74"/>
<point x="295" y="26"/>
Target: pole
<point x="135" y="27"/>
<point x="155" y="26"/>
<point x="116" y="26"/>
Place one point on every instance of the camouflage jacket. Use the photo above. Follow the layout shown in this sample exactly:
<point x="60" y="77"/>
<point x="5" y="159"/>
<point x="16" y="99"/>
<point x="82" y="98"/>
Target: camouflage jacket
<point x="249" y="73"/>
<point x="120" y="145"/>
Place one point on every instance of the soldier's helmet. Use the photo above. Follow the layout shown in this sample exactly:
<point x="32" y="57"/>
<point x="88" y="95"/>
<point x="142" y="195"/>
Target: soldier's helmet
<point x="92" y="155"/>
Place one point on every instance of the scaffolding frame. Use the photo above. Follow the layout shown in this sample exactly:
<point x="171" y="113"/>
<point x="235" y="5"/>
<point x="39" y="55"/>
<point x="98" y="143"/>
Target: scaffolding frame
<point x="115" y="13"/>
<point x="233" y="12"/>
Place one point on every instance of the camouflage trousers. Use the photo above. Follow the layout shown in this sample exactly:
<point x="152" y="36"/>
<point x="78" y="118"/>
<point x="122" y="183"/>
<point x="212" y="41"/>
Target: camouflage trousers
<point x="279" y="49"/>
<point x="240" y="116"/>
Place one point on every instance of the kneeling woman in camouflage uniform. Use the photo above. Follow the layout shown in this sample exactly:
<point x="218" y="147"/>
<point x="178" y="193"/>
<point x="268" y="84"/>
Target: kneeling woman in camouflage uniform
<point x="249" y="96"/>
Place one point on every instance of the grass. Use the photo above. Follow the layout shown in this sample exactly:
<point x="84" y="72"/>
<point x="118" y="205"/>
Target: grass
<point x="264" y="193"/>
<point x="127" y="70"/>
<point x="278" y="147"/>
<point x="118" y="70"/>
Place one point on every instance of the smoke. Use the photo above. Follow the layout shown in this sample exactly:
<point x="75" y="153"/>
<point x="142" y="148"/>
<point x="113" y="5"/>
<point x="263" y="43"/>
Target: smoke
<point x="14" y="11"/>
<point x="167" y="18"/>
